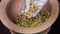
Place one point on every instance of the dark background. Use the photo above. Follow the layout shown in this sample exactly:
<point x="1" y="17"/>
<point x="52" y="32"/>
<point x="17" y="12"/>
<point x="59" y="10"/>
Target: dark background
<point x="54" y="30"/>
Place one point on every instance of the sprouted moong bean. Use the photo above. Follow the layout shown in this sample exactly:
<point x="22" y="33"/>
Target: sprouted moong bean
<point x="34" y="21"/>
<point x="31" y="14"/>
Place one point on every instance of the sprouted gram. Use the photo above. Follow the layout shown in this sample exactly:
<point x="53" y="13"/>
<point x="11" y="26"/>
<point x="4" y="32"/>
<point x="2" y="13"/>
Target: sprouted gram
<point x="31" y="14"/>
<point x="22" y="20"/>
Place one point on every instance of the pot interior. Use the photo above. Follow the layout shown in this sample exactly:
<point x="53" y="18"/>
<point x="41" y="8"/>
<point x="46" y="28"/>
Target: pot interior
<point x="14" y="7"/>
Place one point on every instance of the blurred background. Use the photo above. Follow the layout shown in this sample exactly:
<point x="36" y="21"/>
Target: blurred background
<point x="55" y="28"/>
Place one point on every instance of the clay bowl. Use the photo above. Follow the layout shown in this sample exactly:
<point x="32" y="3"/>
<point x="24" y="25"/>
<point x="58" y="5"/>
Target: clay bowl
<point x="7" y="6"/>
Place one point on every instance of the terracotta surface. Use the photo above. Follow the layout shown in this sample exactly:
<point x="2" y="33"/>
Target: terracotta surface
<point x="9" y="24"/>
<point x="14" y="7"/>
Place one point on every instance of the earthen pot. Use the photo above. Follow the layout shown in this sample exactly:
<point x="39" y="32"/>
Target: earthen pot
<point x="9" y="8"/>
